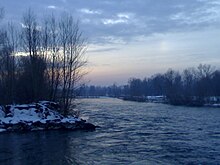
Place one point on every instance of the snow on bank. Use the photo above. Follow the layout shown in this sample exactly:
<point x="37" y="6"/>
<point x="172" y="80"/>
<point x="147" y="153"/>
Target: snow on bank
<point x="32" y="113"/>
<point x="2" y="130"/>
<point x="37" y="116"/>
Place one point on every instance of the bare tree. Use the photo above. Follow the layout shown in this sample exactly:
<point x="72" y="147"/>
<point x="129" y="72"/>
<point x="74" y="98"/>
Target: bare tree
<point x="173" y="86"/>
<point x="52" y="65"/>
<point x="4" y="66"/>
<point x="7" y="62"/>
<point x="73" y="48"/>
<point x="216" y="82"/>
<point x="36" y="65"/>
<point x="51" y="53"/>
<point x="204" y="76"/>
<point x="13" y="40"/>
<point x="135" y="87"/>
<point x="189" y="77"/>
<point x="204" y="71"/>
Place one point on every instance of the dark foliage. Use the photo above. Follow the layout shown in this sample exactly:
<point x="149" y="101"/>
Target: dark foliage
<point x="193" y="87"/>
<point x="41" y="60"/>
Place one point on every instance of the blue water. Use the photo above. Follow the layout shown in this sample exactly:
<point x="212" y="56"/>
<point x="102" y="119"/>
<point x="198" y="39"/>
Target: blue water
<point x="130" y="133"/>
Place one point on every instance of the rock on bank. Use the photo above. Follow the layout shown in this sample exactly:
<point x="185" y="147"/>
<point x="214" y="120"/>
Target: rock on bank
<point x="38" y="116"/>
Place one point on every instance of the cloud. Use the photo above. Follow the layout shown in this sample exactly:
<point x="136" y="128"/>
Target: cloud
<point x="124" y="15"/>
<point x="88" y="11"/>
<point x="51" y="7"/>
<point x="120" y="18"/>
<point x="127" y="19"/>
<point x="113" y="40"/>
<point x="205" y="15"/>
<point x="113" y="21"/>
<point x="103" y="50"/>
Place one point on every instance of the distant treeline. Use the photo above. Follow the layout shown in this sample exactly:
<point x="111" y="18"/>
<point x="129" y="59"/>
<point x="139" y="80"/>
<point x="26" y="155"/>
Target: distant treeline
<point x="192" y="86"/>
<point x="40" y="60"/>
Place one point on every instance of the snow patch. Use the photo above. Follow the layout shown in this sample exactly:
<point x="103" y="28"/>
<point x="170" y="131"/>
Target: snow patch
<point x="2" y="130"/>
<point x="39" y="116"/>
<point x="39" y="112"/>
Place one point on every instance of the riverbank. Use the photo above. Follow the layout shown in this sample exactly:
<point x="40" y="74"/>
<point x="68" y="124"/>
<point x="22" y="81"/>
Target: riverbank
<point x="38" y="116"/>
<point x="190" y="102"/>
<point x="152" y="99"/>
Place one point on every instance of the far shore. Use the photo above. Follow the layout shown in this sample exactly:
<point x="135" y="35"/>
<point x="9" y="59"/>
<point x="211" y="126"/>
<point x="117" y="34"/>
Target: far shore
<point x="213" y="102"/>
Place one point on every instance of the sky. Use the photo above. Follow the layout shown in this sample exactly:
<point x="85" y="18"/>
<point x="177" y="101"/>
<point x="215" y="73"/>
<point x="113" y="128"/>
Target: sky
<point x="136" y="38"/>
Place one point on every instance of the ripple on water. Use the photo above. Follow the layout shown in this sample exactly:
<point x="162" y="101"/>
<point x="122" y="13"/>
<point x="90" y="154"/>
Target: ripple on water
<point x="130" y="133"/>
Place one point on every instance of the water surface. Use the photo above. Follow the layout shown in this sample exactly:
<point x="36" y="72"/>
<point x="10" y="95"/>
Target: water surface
<point x="130" y="133"/>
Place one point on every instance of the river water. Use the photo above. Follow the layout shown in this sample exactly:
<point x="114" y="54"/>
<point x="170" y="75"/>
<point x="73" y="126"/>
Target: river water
<point x="131" y="133"/>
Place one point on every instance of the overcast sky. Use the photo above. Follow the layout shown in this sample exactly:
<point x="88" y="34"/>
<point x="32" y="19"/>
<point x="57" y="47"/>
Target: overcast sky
<point x="137" y="38"/>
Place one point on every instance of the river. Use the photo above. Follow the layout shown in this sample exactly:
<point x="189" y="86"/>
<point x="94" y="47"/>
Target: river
<point x="130" y="133"/>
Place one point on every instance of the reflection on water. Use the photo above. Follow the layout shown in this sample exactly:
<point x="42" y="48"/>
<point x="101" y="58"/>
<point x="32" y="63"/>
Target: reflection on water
<point x="130" y="133"/>
<point x="40" y="148"/>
